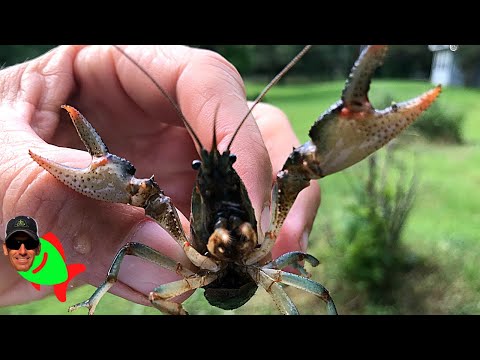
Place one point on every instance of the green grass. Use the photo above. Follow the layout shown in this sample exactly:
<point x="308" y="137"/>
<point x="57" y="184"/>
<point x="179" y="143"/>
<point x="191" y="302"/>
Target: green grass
<point x="443" y="229"/>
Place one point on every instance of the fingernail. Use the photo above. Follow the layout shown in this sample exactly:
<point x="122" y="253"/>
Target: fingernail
<point x="265" y="218"/>
<point x="304" y="240"/>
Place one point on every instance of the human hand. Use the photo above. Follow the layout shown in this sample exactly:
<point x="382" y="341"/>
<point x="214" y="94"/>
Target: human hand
<point x="138" y="123"/>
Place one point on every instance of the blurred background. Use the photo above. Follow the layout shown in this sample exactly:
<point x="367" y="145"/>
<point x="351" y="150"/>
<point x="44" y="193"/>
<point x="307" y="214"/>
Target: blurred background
<point x="397" y="233"/>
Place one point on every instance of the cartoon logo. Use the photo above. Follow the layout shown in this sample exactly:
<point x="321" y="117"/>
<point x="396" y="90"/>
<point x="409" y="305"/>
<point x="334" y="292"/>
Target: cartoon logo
<point x="39" y="260"/>
<point x="50" y="268"/>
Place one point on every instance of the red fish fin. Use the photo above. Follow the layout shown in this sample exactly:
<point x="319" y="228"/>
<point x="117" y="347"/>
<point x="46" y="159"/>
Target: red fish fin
<point x="74" y="270"/>
<point x="52" y="239"/>
<point x="61" y="289"/>
<point x="36" y="286"/>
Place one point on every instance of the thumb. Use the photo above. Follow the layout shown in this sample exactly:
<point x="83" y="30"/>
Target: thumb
<point x="212" y="94"/>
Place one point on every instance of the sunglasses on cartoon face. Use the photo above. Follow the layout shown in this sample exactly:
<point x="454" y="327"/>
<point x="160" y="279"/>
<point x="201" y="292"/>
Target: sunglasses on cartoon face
<point x="15" y="244"/>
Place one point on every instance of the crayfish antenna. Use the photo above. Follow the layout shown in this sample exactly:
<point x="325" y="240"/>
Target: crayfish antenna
<point x="267" y="88"/>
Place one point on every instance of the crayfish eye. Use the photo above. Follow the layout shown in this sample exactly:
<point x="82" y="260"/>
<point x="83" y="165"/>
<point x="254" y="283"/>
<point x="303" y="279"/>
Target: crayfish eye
<point x="233" y="158"/>
<point x="196" y="164"/>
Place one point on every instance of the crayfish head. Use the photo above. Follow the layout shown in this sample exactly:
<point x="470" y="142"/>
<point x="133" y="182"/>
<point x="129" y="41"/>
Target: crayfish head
<point x="232" y="245"/>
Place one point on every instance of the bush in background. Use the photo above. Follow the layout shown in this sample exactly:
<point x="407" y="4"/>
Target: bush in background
<point x="440" y="123"/>
<point x="371" y="247"/>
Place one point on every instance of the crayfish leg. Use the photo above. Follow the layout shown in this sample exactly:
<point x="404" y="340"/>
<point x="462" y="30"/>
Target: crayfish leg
<point x="301" y="283"/>
<point x="135" y="249"/>
<point x="281" y="299"/>
<point x="271" y="276"/>
<point x="160" y="296"/>
<point x="294" y="259"/>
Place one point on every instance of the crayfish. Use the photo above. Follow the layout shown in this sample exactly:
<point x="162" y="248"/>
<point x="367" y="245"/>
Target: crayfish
<point x="226" y="245"/>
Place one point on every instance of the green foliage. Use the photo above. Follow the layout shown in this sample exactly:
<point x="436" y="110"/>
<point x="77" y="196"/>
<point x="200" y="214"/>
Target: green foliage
<point x="469" y="58"/>
<point x="407" y="61"/>
<point x="239" y="55"/>
<point x="440" y="123"/>
<point x="325" y="62"/>
<point x="372" y="251"/>
<point x="12" y="54"/>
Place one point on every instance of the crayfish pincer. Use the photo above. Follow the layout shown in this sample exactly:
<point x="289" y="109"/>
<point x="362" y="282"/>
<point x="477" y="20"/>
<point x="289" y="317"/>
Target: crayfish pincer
<point x="225" y="243"/>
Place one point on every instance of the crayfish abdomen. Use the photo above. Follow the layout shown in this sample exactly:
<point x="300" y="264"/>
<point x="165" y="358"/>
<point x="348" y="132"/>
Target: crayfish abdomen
<point x="233" y="288"/>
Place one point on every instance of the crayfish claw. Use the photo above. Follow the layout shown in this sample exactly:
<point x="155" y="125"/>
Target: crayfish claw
<point x="344" y="137"/>
<point x="105" y="178"/>
<point x="352" y="129"/>
<point x="108" y="177"/>
<point x="349" y="131"/>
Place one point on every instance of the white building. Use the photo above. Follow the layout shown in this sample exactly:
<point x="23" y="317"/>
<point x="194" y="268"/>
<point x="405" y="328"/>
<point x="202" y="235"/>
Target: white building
<point x="445" y="69"/>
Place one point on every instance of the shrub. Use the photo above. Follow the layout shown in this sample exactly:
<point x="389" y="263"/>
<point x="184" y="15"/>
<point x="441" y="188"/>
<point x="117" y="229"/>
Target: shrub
<point x="372" y="252"/>
<point x="441" y="124"/>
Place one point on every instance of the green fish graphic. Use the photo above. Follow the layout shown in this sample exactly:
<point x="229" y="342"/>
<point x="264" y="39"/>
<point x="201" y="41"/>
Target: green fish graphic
<point x="50" y="267"/>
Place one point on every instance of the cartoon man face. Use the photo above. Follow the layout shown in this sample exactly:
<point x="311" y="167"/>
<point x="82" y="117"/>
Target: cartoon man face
<point x="21" y="258"/>
<point x="21" y="242"/>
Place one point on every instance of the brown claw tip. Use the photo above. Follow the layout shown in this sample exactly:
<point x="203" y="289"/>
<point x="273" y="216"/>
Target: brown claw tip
<point x="33" y="155"/>
<point x="44" y="163"/>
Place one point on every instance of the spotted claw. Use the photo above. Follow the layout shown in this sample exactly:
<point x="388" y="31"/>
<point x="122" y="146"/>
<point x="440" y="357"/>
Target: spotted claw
<point x="345" y="134"/>
<point x="108" y="177"/>
<point x="352" y="129"/>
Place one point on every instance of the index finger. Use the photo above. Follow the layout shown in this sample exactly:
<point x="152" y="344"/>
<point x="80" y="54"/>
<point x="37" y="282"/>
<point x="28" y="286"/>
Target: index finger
<point x="207" y="89"/>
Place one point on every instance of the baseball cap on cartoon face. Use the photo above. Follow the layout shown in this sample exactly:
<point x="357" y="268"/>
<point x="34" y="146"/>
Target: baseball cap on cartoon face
<point x="24" y="224"/>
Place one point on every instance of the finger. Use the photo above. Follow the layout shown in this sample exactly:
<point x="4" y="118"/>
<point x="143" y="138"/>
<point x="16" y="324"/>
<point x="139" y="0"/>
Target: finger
<point x="210" y="90"/>
<point x="280" y="139"/>
<point x="118" y="88"/>
<point x="200" y="82"/>
<point x="31" y="92"/>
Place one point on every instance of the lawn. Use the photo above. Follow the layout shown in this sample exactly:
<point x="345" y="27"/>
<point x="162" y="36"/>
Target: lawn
<point x="442" y="232"/>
